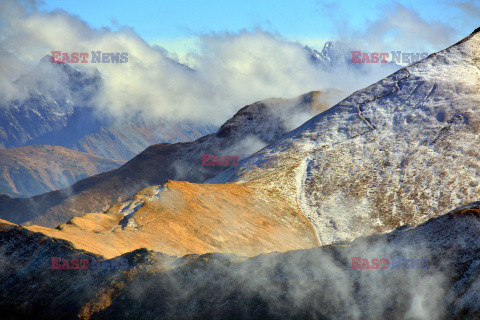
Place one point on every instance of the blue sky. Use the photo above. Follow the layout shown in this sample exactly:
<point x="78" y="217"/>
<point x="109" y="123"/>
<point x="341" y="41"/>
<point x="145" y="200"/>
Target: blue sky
<point x="176" y="24"/>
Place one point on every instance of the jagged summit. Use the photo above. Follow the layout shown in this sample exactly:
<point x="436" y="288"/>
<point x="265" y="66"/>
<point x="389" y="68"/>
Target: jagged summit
<point x="334" y="53"/>
<point x="46" y="59"/>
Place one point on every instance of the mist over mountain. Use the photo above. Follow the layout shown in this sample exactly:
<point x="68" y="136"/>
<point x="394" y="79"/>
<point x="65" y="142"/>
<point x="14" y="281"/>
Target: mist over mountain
<point x="62" y="112"/>
<point x="316" y="283"/>
<point x="405" y="145"/>
<point x="337" y="55"/>
<point x="125" y="139"/>
<point x="50" y="107"/>
<point x="350" y="171"/>
<point x="249" y="130"/>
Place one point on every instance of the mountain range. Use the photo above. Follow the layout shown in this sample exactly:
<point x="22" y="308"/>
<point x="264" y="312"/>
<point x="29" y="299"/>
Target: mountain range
<point x="364" y="209"/>
<point x="63" y="113"/>
<point x="337" y="55"/>
<point x="372" y="163"/>
<point x="246" y="132"/>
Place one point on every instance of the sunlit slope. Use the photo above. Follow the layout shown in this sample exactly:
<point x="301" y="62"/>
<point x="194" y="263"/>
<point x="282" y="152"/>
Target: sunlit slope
<point x="184" y="218"/>
<point x="250" y="129"/>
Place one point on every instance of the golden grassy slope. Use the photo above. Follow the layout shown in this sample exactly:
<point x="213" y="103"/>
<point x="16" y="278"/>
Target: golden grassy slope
<point x="193" y="218"/>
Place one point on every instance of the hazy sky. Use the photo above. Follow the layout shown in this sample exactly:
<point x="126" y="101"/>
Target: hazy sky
<point x="175" y="24"/>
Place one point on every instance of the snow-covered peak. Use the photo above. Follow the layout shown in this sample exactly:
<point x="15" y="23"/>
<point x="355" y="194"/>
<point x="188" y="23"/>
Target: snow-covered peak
<point x="387" y="154"/>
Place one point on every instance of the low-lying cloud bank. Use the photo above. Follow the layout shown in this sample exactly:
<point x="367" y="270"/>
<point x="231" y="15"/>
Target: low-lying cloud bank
<point x="230" y="69"/>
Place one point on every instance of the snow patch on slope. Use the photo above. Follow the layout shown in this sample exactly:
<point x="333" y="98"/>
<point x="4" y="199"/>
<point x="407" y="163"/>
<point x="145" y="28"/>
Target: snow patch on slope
<point x="388" y="154"/>
<point x="129" y="208"/>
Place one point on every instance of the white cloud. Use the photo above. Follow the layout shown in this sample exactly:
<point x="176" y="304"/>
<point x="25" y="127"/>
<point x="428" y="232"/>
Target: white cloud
<point x="470" y="8"/>
<point x="400" y="28"/>
<point x="231" y="69"/>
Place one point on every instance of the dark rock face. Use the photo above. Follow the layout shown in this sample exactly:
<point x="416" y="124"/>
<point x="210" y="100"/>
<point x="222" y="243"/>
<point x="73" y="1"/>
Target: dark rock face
<point x="50" y="110"/>
<point x="321" y="284"/>
<point x="317" y="283"/>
